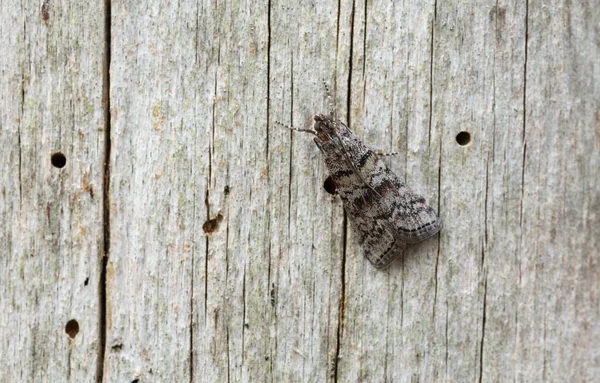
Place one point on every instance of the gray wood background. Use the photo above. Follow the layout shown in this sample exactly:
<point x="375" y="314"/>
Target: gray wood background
<point x="165" y="112"/>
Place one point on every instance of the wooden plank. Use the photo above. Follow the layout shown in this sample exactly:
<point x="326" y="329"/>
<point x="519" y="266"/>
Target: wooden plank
<point x="464" y="78"/>
<point x="557" y="334"/>
<point x="387" y="320"/>
<point x="161" y="95"/>
<point x="308" y="46"/>
<point x="228" y="260"/>
<point x="232" y="296"/>
<point x="504" y="146"/>
<point x="51" y="232"/>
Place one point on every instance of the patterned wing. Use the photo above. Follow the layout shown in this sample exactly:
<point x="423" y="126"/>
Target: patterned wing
<point x="411" y="218"/>
<point x="376" y="238"/>
<point x="384" y="213"/>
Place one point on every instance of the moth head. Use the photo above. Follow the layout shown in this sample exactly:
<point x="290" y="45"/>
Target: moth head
<point x="326" y="127"/>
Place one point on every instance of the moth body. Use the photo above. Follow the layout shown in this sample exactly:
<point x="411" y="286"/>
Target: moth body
<point x="384" y="213"/>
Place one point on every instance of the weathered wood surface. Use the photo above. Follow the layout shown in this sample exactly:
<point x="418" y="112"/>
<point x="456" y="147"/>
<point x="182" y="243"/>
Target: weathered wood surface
<point x="278" y="290"/>
<point x="51" y="232"/>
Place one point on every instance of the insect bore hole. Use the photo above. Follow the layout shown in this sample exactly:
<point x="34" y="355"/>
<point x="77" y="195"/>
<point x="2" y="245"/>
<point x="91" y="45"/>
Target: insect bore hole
<point x="463" y="138"/>
<point x="72" y="328"/>
<point x="212" y="225"/>
<point x="58" y="160"/>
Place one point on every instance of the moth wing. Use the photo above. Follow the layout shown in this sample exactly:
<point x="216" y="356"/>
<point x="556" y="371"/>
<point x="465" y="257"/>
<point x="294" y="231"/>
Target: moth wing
<point x="408" y="214"/>
<point x="381" y="247"/>
<point x="379" y="244"/>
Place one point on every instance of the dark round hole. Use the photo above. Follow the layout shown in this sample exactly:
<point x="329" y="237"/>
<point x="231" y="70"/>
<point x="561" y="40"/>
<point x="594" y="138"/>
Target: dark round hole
<point x="329" y="185"/>
<point x="58" y="160"/>
<point x="72" y="328"/>
<point x="212" y="225"/>
<point x="463" y="138"/>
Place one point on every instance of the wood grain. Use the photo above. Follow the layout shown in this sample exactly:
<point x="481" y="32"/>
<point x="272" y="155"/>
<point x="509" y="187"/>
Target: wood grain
<point x="51" y="232"/>
<point x="228" y="261"/>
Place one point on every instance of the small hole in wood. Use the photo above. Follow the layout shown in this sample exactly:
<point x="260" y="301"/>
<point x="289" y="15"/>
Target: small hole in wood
<point x="87" y="280"/>
<point x="72" y="328"/>
<point x="58" y="160"/>
<point x="463" y="138"/>
<point x="212" y="225"/>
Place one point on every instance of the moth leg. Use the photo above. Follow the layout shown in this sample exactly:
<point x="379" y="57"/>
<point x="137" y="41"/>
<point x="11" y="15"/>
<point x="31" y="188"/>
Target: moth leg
<point x="382" y="153"/>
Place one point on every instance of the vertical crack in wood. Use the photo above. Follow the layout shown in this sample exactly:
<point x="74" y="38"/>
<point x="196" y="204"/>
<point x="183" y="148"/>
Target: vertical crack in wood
<point x="524" y="110"/>
<point x="191" y="320"/>
<point x="192" y="265"/>
<point x="350" y="62"/>
<point x="522" y="185"/>
<point x="525" y="69"/>
<point x="431" y="72"/>
<point x="268" y="80"/>
<point x="207" y="195"/>
<point x="267" y="153"/>
<point x="402" y="293"/>
<point x="494" y="90"/>
<point x="485" y="207"/>
<point x="483" y="329"/>
<point x="206" y="266"/>
<point x="102" y="290"/>
<point x="337" y="49"/>
<point x="342" y="267"/>
<point x="243" y="320"/>
<point x="364" y="66"/>
<point x="342" y="306"/>
<point x="291" y="170"/>
<point x="340" y="327"/>
<point x="435" y="291"/>
<point x="20" y="165"/>
<point x="446" y="339"/>
<point x="544" y="359"/>
<point x="291" y="167"/>
<point x="19" y="128"/>
<point x="439" y="241"/>
<point x="439" y="201"/>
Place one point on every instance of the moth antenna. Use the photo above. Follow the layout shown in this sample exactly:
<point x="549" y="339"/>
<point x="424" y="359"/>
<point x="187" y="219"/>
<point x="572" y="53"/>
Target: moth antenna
<point x="329" y="98"/>
<point x="296" y="129"/>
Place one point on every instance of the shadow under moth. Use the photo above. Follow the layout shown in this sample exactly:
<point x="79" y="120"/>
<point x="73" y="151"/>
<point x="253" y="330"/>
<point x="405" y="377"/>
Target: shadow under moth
<point x="384" y="213"/>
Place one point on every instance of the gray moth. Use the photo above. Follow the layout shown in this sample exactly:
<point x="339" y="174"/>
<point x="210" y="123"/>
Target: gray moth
<point x="384" y="213"/>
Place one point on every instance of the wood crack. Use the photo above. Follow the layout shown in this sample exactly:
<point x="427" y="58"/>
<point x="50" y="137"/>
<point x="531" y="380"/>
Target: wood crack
<point x="482" y="330"/>
<point x="102" y="288"/>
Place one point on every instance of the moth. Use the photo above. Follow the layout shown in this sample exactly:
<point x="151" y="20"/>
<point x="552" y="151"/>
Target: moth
<point x="384" y="213"/>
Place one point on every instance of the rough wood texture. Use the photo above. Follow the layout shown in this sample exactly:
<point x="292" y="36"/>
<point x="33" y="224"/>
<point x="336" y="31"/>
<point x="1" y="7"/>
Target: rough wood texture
<point x="51" y="232"/>
<point x="228" y="260"/>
